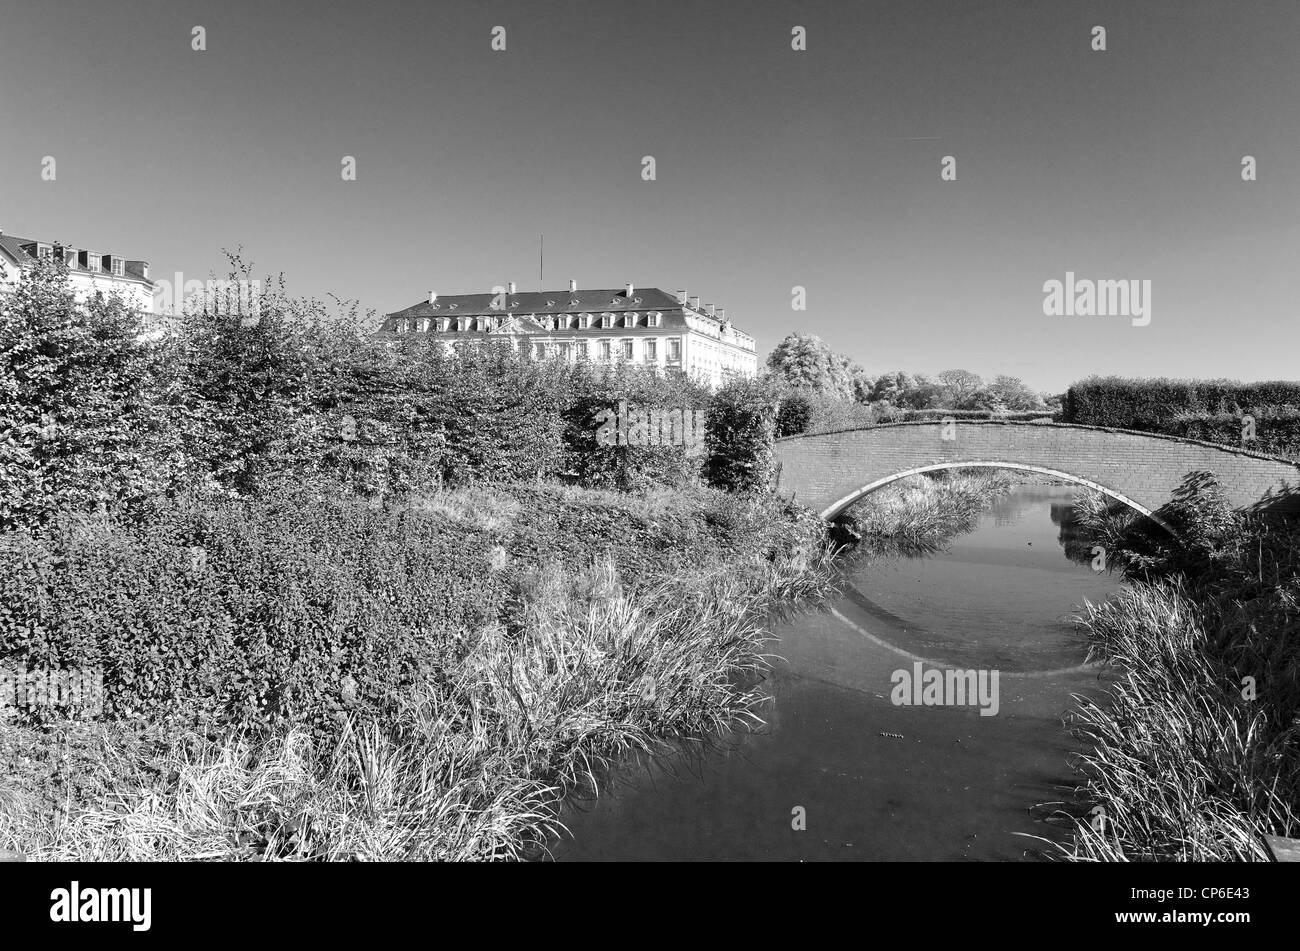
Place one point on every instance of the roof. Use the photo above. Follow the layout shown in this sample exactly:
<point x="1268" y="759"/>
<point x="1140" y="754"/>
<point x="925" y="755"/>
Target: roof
<point x="12" y="245"/>
<point x="597" y="301"/>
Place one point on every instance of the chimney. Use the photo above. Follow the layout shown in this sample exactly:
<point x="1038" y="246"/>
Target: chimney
<point x="695" y="303"/>
<point x="713" y="310"/>
<point x="511" y="287"/>
<point x="628" y="293"/>
<point x="722" y="314"/>
<point x="433" y="297"/>
<point x="681" y="297"/>
<point x="573" y="287"/>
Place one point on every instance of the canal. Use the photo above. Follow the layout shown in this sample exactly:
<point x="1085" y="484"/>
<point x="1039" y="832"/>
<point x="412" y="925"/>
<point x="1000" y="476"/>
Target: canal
<point x="839" y="770"/>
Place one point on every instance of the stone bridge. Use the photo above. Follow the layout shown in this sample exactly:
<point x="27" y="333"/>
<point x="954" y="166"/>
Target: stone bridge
<point x="828" y="472"/>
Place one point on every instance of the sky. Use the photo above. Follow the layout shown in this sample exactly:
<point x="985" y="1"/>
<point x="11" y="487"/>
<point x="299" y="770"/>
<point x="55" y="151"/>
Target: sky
<point x="774" y="168"/>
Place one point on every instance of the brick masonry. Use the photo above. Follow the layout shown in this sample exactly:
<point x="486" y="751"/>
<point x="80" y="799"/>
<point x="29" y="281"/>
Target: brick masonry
<point x="828" y="471"/>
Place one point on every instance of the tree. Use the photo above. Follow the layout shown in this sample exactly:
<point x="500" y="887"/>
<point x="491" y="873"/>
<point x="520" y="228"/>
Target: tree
<point x="891" y="387"/>
<point x="804" y="361"/>
<point x="1013" y="392"/>
<point x="960" y="387"/>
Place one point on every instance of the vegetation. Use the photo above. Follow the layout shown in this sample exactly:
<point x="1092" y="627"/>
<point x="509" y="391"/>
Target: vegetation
<point x="824" y="391"/>
<point x="1193" y="754"/>
<point x="460" y="722"/>
<point x="344" y="603"/>
<point x="1212" y="410"/>
<point x="921" y="508"/>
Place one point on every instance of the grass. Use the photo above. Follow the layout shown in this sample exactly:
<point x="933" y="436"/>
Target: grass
<point x="584" y="666"/>
<point x="1194" y="753"/>
<point x="921" y="508"/>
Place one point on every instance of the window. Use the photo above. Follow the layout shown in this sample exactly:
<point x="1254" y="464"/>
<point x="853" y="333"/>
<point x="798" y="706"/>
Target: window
<point x="118" y="265"/>
<point x="462" y="323"/>
<point x="423" y="324"/>
<point x="539" y="350"/>
<point x="403" y="326"/>
<point x="607" y="319"/>
<point x="627" y="349"/>
<point x="651" y="351"/>
<point x="629" y="320"/>
<point x="605" y="350"/>
<point x="566" y="350"/>
<point x="582" y="350"/>
<point x="674" y="351"/>
<point x="655" y="320"/>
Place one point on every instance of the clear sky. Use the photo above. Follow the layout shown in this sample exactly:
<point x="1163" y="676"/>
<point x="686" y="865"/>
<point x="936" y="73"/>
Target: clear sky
<point x="775" y="168"/>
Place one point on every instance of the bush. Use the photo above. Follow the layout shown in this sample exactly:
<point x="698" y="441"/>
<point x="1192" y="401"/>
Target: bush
<point x="247" y="609"/>
<point x="741" y="430"/>
<point x="1276" y="432"/>
<point x="1150" y="405"/>
<point x="83" y="424"/>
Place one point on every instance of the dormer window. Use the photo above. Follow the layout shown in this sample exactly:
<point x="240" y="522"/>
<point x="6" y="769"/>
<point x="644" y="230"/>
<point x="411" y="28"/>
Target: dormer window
<point x="607" y="319"/>
<point x="629" y="320"/>
<point x="574" y="302"/>
<point x="451" y="306"/>
<point x="462" y="323"/>
<point x="656" y="319"/>
<point x="423" y="326"/>
<point x="444" y="324"/>
<point x="118" y="266"/>
<point x="550" y="303"/>
<point x="481" y="324"/>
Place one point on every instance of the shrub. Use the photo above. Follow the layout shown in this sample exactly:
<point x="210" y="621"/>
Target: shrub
<point x="82" y="423"/>
<point x="246" y="609"/>
<point x="1150" y="405"/>
<point x="741" y="430"/>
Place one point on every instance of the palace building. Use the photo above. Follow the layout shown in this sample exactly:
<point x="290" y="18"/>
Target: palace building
<point x="89" y="271"/>
<point x="646" y="326"/>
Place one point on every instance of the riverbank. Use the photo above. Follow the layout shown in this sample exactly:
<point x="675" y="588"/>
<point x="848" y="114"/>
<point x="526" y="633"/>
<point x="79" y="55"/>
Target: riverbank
<point x="515" y="637"/>
<point x="1194" y="753"/>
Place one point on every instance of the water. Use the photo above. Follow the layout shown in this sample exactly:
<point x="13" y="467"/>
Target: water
<point x="951" y="785"/>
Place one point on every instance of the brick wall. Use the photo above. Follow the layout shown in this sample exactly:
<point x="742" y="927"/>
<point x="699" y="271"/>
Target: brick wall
<point x="1142" y="469"/>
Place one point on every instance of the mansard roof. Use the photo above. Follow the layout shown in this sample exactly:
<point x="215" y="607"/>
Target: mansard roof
<point x="613" y="300"/>
<point x="14" y="246"/>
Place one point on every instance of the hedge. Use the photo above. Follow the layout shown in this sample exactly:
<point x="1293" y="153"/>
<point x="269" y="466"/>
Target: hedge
<point x="1151" y="405"/>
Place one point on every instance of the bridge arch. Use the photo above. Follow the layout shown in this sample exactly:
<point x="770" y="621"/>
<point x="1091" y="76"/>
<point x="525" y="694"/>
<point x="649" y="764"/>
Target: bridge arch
<point x="830" y="471"/>
<point x="840" y="505"/>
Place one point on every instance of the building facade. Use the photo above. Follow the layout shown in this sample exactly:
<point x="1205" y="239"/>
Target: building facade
<point x="646" y="326"/>
<point x="89" y="272"/>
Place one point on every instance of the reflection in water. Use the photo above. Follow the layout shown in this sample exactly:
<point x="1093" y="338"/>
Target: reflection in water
<point x="876" y="780"/>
